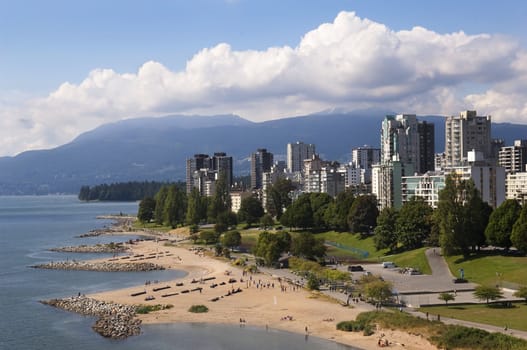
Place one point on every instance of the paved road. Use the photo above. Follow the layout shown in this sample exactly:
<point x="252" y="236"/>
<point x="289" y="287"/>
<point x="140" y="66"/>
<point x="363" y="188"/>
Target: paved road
<point x="441" y="279"/>
<point x="417" y="290"/>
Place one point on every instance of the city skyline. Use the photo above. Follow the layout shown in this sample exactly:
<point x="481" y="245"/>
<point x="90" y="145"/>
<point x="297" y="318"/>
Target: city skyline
<point x="69" y="68"/>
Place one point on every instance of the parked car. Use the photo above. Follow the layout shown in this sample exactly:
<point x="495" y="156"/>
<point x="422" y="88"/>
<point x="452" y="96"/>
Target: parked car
<point x="354" y="268"/>
<point x="388" y="265"/>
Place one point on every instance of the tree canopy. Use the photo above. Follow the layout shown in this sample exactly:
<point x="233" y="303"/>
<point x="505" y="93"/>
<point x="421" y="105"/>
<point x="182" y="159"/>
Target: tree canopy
<point x="306" y="245"/>
<point x="278" y="197"/>
<point x="501" y="222"/>
<point x="221" y="201"/>
<point x="231" y="239"/>
<point x="462" y="216"/>
<point x="270" y="246"/>
<point x="363" y="214"/>
<point x="413" y="223"/>
<point x="196" y="207"/>
<point x="519" y="231"/>
<point x="385" y="232"/>
<point x="251" y="210"/>
<point x="488" y="293"/>
<point x="121" y="191"/>
<point x="146" y="210"/>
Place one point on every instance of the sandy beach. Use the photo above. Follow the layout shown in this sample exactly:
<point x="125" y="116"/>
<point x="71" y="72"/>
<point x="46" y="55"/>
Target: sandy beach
<point x="263" y="300"/>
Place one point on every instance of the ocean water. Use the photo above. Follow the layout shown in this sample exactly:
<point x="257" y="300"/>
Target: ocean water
<point x="30" y="226"/>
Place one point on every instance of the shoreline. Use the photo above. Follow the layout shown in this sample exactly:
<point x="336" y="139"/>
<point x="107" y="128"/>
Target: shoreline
<point x="263" y="301"/>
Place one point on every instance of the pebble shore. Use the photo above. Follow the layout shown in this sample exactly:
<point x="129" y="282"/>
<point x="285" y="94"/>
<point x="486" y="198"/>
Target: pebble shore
<point x="100" y="266"/>
<point x="116" y="321"/>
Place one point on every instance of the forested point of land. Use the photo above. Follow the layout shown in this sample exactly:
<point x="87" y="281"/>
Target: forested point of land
<point x="122" y="191"/>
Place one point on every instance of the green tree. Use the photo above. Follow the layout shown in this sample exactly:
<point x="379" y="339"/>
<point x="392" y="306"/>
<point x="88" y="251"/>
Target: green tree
<point x="363" y="214"/>
<point x="146" y="210"/>
<point x="413" y="223"/>
<point x="521" y="293"/>
<point x="319" y="204"/>
<point x="175" y="207"/>
<point x="251" y="210"/>
<point x="221" y="201"/>
<point x="299" y="214"/>
<point x="501" y="221"/>
<point x="336" y="215"/>
<point x="446" y="297"/>
<point x="266" y="221"/>
<point x="487" y="293"/>
<point x="284" y="240"/>
<point x="378" y="291"/>
<point x="519" y="231"/>
<point x="208" y="237"/>
<point x="461" y="216"/>
<point x="278" y="197"/>
<point x="307" y="246"/>
<point x="196" y="208"/>
<point x="384" y="234"/>
<point x="231" y="239"/>
<point x="313" y="283"/>
<point x="84" y="193"/>
<point x="160" y="198"/>
<point x="268" y="248"/>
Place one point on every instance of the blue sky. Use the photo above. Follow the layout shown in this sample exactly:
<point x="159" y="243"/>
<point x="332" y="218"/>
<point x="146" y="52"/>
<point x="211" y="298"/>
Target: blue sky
<point x="69" y="66"/>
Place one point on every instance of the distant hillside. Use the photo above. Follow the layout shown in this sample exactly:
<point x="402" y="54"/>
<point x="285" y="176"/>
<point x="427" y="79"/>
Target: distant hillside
<point x="155" y="149"/>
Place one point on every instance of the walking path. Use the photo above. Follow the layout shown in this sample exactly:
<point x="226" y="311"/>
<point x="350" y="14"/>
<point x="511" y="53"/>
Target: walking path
<point x="417" y="290"/>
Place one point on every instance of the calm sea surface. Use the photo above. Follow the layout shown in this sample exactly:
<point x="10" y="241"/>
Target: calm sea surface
<point x="30" y="226"/>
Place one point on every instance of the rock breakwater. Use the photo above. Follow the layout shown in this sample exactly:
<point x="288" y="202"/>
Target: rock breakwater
<point x="100" y="266"/>
<point x="97" y="248"/>
<point x="115" y="321"/>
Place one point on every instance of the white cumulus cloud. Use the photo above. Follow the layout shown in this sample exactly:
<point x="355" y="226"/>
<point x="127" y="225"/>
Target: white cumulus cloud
<point x="350" y="63"/>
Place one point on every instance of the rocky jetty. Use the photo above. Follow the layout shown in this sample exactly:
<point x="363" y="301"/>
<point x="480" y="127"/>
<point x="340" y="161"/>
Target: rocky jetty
<point x="121" y="224"/>
<point x="115" y="321"/>
<point x="97" y="248"/>
<point x="100" y="266"/>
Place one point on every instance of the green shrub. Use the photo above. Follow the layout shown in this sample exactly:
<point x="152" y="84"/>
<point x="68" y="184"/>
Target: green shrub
<point x="198" y="309"/>
<point x="312" y="283"/>
<point x="239" y="262"/>
<point x="368" y="330"/>
<point x="346" y="326"/>
<point x="443" y="336"/>
<point x="358" y="325"/>
<point x="145" y="309"/>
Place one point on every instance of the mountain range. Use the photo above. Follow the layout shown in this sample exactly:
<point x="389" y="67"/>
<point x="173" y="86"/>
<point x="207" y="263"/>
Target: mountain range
<point x="156" y="148"/>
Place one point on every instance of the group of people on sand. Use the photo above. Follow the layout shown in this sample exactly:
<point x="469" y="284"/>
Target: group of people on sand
<point x="383" y="342"/>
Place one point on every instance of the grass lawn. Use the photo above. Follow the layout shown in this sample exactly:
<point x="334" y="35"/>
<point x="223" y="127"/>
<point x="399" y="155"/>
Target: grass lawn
<point x="249" y="238"/>
<point x="350" y="242"/>
<point x="491" y="269"/>
<point x="152" y="226"/>
<point x="414" y="258"/>
<point x="497" y="316"/>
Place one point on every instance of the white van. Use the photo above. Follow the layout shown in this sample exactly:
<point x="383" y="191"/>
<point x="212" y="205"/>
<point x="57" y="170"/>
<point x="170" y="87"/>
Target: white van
<point x="388" y="264"/>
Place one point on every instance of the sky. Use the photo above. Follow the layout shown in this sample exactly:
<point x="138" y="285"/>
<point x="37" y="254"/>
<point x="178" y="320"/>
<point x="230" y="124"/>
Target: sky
<point x="67" y="67"/>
